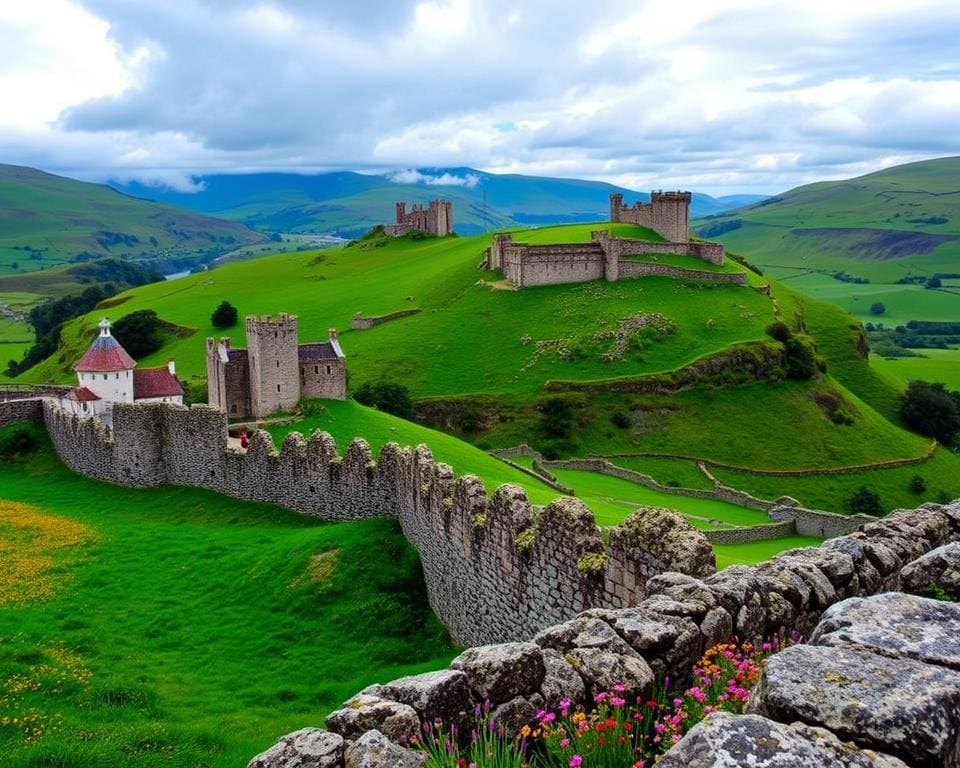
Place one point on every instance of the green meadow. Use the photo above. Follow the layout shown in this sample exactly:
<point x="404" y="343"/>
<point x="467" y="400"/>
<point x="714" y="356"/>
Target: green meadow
<point x="176" y="627"/>
<point x="938" y="365"/>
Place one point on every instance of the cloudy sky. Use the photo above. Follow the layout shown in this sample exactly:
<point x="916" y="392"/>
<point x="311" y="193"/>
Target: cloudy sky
<point x="719" y="96"/>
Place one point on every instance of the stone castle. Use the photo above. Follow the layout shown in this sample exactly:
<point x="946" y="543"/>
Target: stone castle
<point x="274" y="371"/>
<point x="435" y="219"/>
<point x="604" y="257"/>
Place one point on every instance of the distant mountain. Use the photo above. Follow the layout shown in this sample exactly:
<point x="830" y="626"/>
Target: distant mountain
<point x="48" y="221"/>
<point x="348" y="203"/>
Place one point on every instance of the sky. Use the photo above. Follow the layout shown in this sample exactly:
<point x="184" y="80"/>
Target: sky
<point x="720" y="96"/>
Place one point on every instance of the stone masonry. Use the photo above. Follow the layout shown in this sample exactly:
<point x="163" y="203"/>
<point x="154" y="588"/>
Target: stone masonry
<point x="436" y="219"/>
<point x="274" y="371"/>
<point x="495" y="567"/>
<point x="667" y="214"/>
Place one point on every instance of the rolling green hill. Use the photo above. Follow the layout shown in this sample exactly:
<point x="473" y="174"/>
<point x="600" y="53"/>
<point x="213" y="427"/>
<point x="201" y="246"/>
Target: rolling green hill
<point x="477" y="358"/>
<point x="47" y="221"/>
<point x="897" y="223"/>
<point x="350" y="203"/>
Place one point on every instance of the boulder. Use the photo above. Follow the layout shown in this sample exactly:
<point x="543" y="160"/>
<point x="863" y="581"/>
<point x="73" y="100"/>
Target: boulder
<point x="363" y="713"/>
<point x="560" y="681"/>
<point x="307" y="748"/>
<point x="939" y="567"/>
<point x="898" y="706"/>
<point x="724" y="740"/>
<point x="443" y="695"/>
<point x="516" y="713"/>
<point x="601" y="670"/>
<point x="498" y="673"/>
<point x="374" y="750"/>
<point x="895" y="624"/>
<point x="585" y="631"/>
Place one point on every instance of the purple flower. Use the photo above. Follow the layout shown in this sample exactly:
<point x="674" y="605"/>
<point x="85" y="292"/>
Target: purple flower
<point x="564" y="743"/>
<point x="576" y="761"/>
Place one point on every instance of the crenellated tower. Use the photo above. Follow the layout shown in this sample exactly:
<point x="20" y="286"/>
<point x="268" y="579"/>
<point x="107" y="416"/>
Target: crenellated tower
<point x="273" y="364"/>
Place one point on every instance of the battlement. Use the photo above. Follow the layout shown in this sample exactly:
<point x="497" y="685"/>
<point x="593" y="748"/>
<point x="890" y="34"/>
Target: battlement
<point x="266" y="323"/>
<point x="667" y="214"/>
<point x="435" y="219"/>
<point x="675" y="197"/>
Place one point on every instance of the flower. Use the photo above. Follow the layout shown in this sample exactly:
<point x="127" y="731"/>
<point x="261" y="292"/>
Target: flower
<point x="564" y="743"/>
<point x="575" y="762"/>
<point x="617" y="701"/>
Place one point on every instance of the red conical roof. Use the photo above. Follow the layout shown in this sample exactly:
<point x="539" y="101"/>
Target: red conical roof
<point x="105" y="354"/>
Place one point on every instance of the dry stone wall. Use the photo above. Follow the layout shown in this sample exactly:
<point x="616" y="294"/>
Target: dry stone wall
<point x="496" y="567"/>
<point x="20" y="410"/>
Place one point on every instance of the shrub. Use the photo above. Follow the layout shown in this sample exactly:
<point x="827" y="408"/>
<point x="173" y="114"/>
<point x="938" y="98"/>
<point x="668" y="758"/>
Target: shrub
<point x="18" y="440"/>
<point x="779" y="331"/>
<point x="918" y="484"/>
<point x="865" y="502"/>
<point x="931" y="410"/>
<point x="877" y="308"/>
<point x="620" y="420"/>
<point x="224" y="316"/>
<point x="933" y="282"/>
<point x="557" y="415"/>
<point x="386" y="396"/>
<point x="139" y="332"/>
<point x="801" y="360"/>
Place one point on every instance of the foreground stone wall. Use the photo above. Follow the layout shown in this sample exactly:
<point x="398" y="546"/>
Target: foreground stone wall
<point x="20" y="410"/>
<point x="496" y="567"/>
<point x="665" y="634"/>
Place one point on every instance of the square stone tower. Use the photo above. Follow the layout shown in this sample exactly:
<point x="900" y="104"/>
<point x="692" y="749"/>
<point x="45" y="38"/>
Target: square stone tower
<point x="274" y="364"/>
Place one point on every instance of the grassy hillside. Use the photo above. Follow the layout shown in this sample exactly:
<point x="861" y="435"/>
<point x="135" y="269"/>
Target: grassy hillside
<point x="48" y="220"/>
<point x="350" y="203"/>
<point x="176" y="627"/>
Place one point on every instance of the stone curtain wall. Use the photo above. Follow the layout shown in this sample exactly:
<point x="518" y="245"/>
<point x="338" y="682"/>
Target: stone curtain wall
<point x="360" y="322"/>
<point x="20" y="410"/>
<point x="495" y="567"/>
<point x="528" y="265"/>
<point x="665" y="634"/>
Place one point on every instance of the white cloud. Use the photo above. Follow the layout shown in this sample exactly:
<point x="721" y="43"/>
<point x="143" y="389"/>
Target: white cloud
<point x="738" y="95"/>
<point x="413" y="176"/>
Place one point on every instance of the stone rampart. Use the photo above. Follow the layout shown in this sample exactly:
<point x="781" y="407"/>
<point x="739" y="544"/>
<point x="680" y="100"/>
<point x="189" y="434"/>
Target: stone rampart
<point x="20" y="410"/>
<point x="664" y="635"/>
<point x="630" y="269"/>
<point x="750" y="533"/>
<point x="496" y="567"/>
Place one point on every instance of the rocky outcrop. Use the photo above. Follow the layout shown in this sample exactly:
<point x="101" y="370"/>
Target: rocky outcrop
<point x="308" y="748"/>
<point x="939" y="569"/>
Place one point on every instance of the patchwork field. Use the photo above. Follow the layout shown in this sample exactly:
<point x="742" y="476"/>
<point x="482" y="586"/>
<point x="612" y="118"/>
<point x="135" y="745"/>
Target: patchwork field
<point x="941" y="365"/>
<point x="176" y="627"/>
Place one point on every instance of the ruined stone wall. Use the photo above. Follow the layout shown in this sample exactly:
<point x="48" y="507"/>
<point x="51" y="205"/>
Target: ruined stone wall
<point x="667" y="214"/>
<point x="814" y="522"/>
<point x="435" y="219"/>
<point x="528" y="265"/>
<point x="20" y="410"/>
<point x="750" y="533"/>
<point x="495" y="567"/>
<point x="630" y="269"/>
<point x="360" y="322"/>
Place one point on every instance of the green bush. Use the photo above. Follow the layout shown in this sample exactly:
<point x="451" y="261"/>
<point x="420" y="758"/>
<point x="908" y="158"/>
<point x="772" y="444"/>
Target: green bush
<point x="865" y="502"/>
<point x="918" y="484"/>
<point x="386" y="396"/>
<point x="620" y="420"/>
<point x="877" y="308"/>
<point x="18" y="440"/>
<point x="779" y="331"/>
<point x="224" y="316"/>
<point x="139" y="333"/>
<point x="931" y="410"/>
<point x="801" y="360"/>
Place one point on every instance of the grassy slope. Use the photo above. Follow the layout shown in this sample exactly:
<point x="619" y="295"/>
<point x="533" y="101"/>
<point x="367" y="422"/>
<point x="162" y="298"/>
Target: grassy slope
<point x="468" y="337"/>
<point x="941" y="365"/>
<point x="206" y="636"/>
<point x="59" y="217"/>
<point x="861" y="226"/>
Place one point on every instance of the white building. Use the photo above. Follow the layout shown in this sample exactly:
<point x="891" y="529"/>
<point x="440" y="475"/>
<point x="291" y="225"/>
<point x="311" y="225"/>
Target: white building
<point x="106" y="374"/>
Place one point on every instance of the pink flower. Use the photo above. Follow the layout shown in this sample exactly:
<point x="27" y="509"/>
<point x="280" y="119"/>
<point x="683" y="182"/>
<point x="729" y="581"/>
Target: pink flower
<point x="619" y="688"/>
<point x="617" y="701"/>
<point x="576" y="761"/>
<point x="600" y="698"/>
<point x="564" y="743"/>
<point x="565" y="706"/>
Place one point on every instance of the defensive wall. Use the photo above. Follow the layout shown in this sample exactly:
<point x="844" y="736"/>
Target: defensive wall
<point x="667" y="214"/>
<point x="362" y="322"/>
<point x="811" y="592"/>
<point x="496" y="567"/>
<point x="605" y="257"/>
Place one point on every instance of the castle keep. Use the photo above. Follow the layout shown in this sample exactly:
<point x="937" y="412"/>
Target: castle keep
<point x="435" y="219"/>
<point x="603" y="258"/>
<point x="274" y="371"/>
<point x="667" y="214"/>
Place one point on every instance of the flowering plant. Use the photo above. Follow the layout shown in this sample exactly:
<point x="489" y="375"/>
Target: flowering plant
<point x="489" y="746"/>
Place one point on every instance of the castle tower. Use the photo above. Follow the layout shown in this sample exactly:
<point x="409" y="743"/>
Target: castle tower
<point x="671" y="215"/>
<point x="616" y="203"/>
<point x="273" y="364"/>
<point x="401" y="212"/>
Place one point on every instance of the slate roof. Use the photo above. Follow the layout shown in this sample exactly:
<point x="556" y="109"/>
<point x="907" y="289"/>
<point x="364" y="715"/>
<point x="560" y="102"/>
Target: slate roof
<point x="324" y="350"/>
<point x="155" y="382"/>
<point x="82" y="395"/>
<point x="105" y="354"/>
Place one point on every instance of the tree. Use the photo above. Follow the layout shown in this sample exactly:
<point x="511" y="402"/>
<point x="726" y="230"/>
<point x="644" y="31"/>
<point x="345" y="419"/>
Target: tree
<point x="865" y="502"/>
<point x="139" y="333"/>
<point x="801" y="360"/>
<point x="779" y="331"/>
<point x="933" y="282"/>
<point x="918" y="484"/>
<point x="224" y="316"/>
<point x="931" y="410"/>
<point x="877" y="308"/>
<point x="386" y="396"/>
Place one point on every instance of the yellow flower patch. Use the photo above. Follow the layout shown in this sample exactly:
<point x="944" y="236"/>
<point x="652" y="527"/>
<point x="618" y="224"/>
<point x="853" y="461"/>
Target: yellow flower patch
<point x="32" y="543"/>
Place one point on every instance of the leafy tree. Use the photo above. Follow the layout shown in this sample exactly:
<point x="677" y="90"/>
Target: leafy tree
<point x="933" y="282"/>
<point x="801" y="360"/>
<point x="224" y="316"/>
<point x="865" y="502"/>
<point x="877" y="308"/>
<point x="620" y="420"/>
<point x="557" y="417"/>
<point x="918" y="484"/>
<point x="139" y="333"/>
<point x="931" y="410"/>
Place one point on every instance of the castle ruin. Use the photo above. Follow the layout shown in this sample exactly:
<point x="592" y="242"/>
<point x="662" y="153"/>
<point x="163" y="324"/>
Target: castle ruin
<point x="274" y="371"/>
<point x="435" y="219"/>
<point x="604" y="257"/>
<point x="667" y="214"/>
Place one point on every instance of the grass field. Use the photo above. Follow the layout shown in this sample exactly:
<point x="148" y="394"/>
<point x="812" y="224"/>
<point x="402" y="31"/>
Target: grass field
<point x="467" y="338"/>
<point x="937" y="365"/>
<point x="175" y="627"/>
